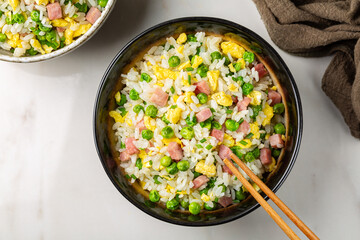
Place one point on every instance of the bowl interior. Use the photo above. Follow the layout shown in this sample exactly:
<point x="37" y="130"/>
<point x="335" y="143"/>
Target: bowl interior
<point x="104" y="138"/>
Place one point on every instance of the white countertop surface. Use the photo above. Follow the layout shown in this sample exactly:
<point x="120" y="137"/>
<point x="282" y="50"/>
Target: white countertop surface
<point x="52" y="184"/>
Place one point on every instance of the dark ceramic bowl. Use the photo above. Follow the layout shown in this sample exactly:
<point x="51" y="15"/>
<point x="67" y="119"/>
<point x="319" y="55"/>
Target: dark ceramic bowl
<point x="104" y="138"/>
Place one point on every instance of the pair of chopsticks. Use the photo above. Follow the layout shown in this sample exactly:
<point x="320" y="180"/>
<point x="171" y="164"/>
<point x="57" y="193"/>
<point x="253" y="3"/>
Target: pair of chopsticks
<point x="288" y="231"/>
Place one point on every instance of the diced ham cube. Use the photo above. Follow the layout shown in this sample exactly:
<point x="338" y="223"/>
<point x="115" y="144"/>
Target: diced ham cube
<point x="202" y="87"/>
<point x="275" y="97"/>
<point x="243" y="104"/>
<point x="159" y="97"/>
<point x="130" y="147"/>
<point x="219" y="135"/>
<point x="93" y="15"/>
<point x="199" y="181"/>
<point x="261" y="70"/>
<point x="203" y="115"/>
<point x="54" y="11"/>
<point x="124" y="156"/>
<point x="244" y="128"/>
<point x="227" y="170"/>
<point x="60" y="29"/>
<point x="276" y="141"/>
<point x="224" y="152"/>
<point x="234" y="99"/>
<point x="225" y="201"/>
<point x="140" y="125"/>
<point x="175" y="151"/>
<point x="265" y="156"/>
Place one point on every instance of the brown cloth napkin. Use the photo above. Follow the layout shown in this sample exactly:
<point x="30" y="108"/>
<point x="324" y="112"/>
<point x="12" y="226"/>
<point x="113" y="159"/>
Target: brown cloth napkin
<point x="318" y="28"/>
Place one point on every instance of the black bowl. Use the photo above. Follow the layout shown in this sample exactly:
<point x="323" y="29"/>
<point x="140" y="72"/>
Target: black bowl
<point x="104" y="138"/>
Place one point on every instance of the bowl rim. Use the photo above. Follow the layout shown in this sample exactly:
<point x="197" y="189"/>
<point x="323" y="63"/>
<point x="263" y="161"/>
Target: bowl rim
<point x="270" y="49"/>
<point x="62" y="51"/>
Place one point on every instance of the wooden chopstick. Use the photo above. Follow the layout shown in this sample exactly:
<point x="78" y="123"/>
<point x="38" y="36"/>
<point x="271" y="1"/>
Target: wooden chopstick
<point x="295" y="219"/>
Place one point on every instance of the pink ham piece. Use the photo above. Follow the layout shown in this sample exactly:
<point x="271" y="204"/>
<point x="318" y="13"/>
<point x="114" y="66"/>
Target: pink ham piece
<point x="227" y="169"/>
<point x="225" y="201"/>
<point x="244" y="128"/>
<point x="93" y="15"/>
<point x="199" y="181"/>
<point x="140" y="125"/>
<point x="175" y="151"/>
<point x="234" y="99"/>
<point x="243" y="104"/>
<point x="124" y="156"/>
<point x="276" y="141"/>
<point x="130" y="147"/>
<point x="60" y="29"/>
<point x="275" y="97"/>
<point x="219" y="135"/>
<point x="54" y="11"/>
<point x="159" y="97"/>
<point x="261" y="70"/>
<point x="202" y="87"/>
<point x="224" y="152"/>
<point x="203" y="115"/>
<point x="265" y="156"/>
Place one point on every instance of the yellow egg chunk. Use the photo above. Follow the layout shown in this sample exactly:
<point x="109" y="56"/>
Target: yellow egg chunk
<point x="142" y="154"/>
<point x="14" y="40"/>
<point x="247" y="145"/>
<point x="117" y="97"/>
<point x="254" y="129"/>
<point x="128" y="121"/>
<point x="181" y="39"/>
<point x="272" y="166"/>
<point x="180" y="49"/>
<point x="228" y="140"/>
<point x="174" y="115"/>
<point x="14" y="4"/>
<point x="269" y="113"/>
<point x="149" y="123"/>
<point x="233" y="88"/>
<point x="213" y="77"/>
<point x="175" y="97"/>
<point x="274" y="88"/>
<point x="222" y="99"/>
<point x="42" y="2"/>
<point x="163" y="73"/>
<point x="184" y="65"/>
<point x="166" y="141"/>
<point x="117" y="116"/>
<point x="209" y="171"/>
<point x="255" y="186"/>
<point x="234" y="49"/>
<point x="231" y="68"/>
<point x="187" y="98"/>
<point x="205" y="197"/>
<point x="197" y="61"/>
<point x="37" y="46"/>
<point x="82" y="29"/>
<point x="242" y="62"/>
<point x="59" y="23"/>
<point x="47" y="49"/>
<point x="69" y="35"/>
<point x="255" y="97"/>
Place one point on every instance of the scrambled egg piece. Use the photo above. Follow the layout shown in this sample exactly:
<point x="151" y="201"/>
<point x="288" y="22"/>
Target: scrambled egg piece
<point x="283" y="137"/>
<point x="47" y="48"/>
<point x="175" y="97"/>
<point x="185" y="81"/>
<point x="37" y="46"/>
<point x="213" y="77"/>
<point x="174" y="115"/>
<point x="169" y="188"/>
<point x="254" y="129"/>
<point x="209" y="171"/>
<point x="197" y="61"/>
<point x="205" y="197"/>
<point x="14" y="4"/>
<point x="42" y="2"/>
<point x="247" y="145"/>
<point x="255" y="186"/>
<point x="117" y="97"/>
<point x="242" y="62"/>
<point x="274" y="88"/>
<point x="160" y="84"/>
<point x="162" y="73"/>
<point x="228" y="140"/>
<point x="188" y="95"/>
<point x="184" y="65"/>
<point x="267" y="136"/>
<point x="83" y="28"/>
<point x="222" y="99"/>
<point x="272" y="166"/>
<point x="269" y="113"/>
<point x="14" y="40"/>
<point x="128" y="121"/>
<point x="233" y="88"/>
<point x="234" y="49"/>
<point x="142" y="154"/>
<point x="180" y="49"/>
<point x="69" y="36"/>
<point x="231" y="67"/>
<point x="166" y="141"/>
<point x="255" y="97"/>
<point x="149" y="123"/>
<point x="117" y="116"/>
<point x="181" y="39"/>
<point x="142" y="184"/>
<point x="59" y="23"/>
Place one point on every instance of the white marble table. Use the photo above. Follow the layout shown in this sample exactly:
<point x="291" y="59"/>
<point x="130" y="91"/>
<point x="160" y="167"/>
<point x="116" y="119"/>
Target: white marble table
<point x="52" y="185"/>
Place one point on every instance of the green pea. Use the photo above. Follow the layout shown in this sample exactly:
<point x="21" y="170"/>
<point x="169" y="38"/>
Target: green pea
<point x="206" y="124"/>
<point x="147" y="134"/>
<point x="184" y="204"/>
<point x="133" y="95"/>
<point x="151" y="111"/>
<point x="123" y="100"/>
<point x="262" y="135"/>
<point x="9" y="20"/>
<point x="138" y="163"/>
<point x="82" y="7"/>
<point x="215" y="55"/>
<point x="232" y="125"/>
<point x="165" y="161"/>
<point x="216" y="125"/>
<point x="275" y="152"/>
<point x="174" y="61"/>
<point x="19" y="18"/>
<point x="43" y="28"/>
<point x="256" y="152"/>
<point x="279" y="128"/>
<point x="183" y="165"/>
<point x="102" y="3"/>
<point x="191" y="38"/>
<point x="237" y="151"/>
<point x="207" y="206"/>
<point x="154" y="196"/>
<point x="203" y="98"/>
<point x="240" y="195"/>
<point x="51" y="36"/>
<point x="239" y="80"/>
<point x="172" y="169"/>
<point x="249" y="157"/>
<point x="227" y="60"/>
<point x="164" y="119"/>
<point x="202" y="70"/>
<point x="191" y="122"/>
<point x="173" y="204"/>
<point x="249" y="57"/>
<point x="279" y="108"/>
<point x="247" y="88"/>
<point x="2" y="37"/>
<point x="237" y="66"/>
<point x="145" y="77"/>
<point x="167" y="132"/>
<point x="187" y="133"/>
<point x="194" y="208"/>
<point x="137" y="108"/>
<point x="31" y="51"/>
